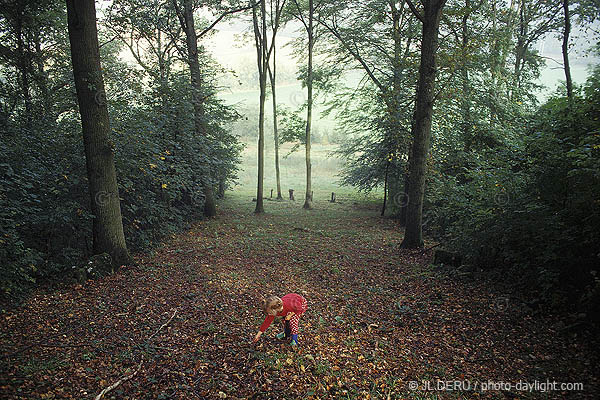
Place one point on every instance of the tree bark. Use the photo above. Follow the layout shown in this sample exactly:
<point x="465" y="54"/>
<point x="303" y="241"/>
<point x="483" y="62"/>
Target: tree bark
<point x="466" y="87"/>
<point x="309" y="85"/>
<point x="421" y="128"/>
<point x="200" y="126"/>
<point x="108" y="236"/>
<point x="565" y="50"/>
<point x="273" y="77"/>
<point x="260" y="35"/>
<point x="23" y="64"/>
<point x="385" y="189"/>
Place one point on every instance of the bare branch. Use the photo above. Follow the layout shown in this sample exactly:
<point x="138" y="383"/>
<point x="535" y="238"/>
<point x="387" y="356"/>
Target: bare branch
<point x="415" y="11"/>
<point x="226" y="13"/>
<point x="163" y="325"/>
<point x="120" y="381"/>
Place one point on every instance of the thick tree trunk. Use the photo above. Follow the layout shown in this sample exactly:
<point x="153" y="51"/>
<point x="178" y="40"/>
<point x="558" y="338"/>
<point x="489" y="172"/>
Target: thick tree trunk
<point x="210" y="208"/>
<point x="273" y="77"/>
<point x="565" y="50"/>
<point x="309" y="85"/>
<point x="421" y="129"/>
<point x="108" y="234"/>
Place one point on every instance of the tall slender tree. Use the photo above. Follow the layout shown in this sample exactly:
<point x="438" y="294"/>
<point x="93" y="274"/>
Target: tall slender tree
<point x="186" y="19"/>
<point x="260" y="37"/>
<point x="264" y="50"/>
<point x="308" y="23"/>
<point x="275" y="20"/>
<point x="565" y="50"/>
<point x="108" y="236"/>
<point x="421" y="128"/>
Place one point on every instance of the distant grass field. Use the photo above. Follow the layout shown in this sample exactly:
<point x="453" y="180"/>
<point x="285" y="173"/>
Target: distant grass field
<point x="325" y="171"/>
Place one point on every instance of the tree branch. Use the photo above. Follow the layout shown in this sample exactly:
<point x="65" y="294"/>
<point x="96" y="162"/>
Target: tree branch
<point x="120" y="381"/>
<point x="128" y="377"/>
<point x="226" y="13"/>
<point x="415" y="11"/>
<point x="355" y="54"/>
<point x="180" y="16"/>
<point x="163" y="325"/>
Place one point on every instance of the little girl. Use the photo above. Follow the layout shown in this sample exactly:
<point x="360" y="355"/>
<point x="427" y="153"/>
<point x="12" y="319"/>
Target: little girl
<point x="291" y="306"/>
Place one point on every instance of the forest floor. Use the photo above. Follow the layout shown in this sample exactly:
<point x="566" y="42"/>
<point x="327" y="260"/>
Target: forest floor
<point x="379" y="320"/>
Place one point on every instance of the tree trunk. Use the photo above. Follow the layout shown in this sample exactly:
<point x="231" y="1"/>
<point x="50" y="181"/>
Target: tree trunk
<point x="222" y="188"/>
<point x="260" y="34"/>
<point x="466" y="96"/>
<point x="394" y="142"/>
<point x="494" y="67"/>
<point x="42" y="79"/>
<point x="565" y="51"/>
<point x="309" y="85"/>
<point x="421" y="128"/>
<point x="210" y="208"/>
<point x="108" y="236"/>
<point x="23" y="65"/>
<point x="404" y="208"/>
<point x="520" y="51"/>
<point x="162" y="74"/>
<point x="273" y="76"/>
<point x="385" y="189"/>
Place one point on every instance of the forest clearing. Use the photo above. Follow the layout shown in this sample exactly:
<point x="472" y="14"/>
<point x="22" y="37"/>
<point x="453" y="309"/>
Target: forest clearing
<point x="378" y="319"/>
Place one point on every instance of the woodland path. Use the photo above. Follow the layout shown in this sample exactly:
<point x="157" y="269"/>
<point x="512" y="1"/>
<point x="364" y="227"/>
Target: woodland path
<point x="378" y="318"/>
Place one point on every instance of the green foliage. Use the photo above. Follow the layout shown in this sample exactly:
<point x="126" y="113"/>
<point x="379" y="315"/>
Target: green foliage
<point x="45" y="215"/>
<point x="532" y="206"/>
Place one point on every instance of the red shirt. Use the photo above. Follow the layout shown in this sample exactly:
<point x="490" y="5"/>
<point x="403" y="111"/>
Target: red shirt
<point x="291" y="303"/>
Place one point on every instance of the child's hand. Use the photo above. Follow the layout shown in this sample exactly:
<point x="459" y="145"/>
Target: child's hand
<point x="289" y="316"/>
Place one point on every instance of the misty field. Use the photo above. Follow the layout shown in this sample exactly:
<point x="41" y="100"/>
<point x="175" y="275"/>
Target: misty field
<point x="325" y="172"/>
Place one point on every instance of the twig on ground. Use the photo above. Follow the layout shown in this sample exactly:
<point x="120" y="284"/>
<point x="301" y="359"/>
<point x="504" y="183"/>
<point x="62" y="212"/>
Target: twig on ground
<point x="120" y="381"/>
<point x="126" y="378"/>
<point x="163" y="325"/>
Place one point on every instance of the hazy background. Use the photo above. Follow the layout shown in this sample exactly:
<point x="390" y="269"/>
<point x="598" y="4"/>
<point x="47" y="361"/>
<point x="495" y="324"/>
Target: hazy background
<point x="232" y="45"/>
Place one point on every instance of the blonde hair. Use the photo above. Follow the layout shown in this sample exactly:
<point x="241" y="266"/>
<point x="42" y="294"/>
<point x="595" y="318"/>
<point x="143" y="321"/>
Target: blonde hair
<point x="271" y="303"/>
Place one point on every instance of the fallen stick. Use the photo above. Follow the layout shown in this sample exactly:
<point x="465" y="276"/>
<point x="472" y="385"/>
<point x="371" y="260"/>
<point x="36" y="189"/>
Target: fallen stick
<point x="120" y="381"/>
<point x="163" y="325"/>
<point x="128" y="377"/>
